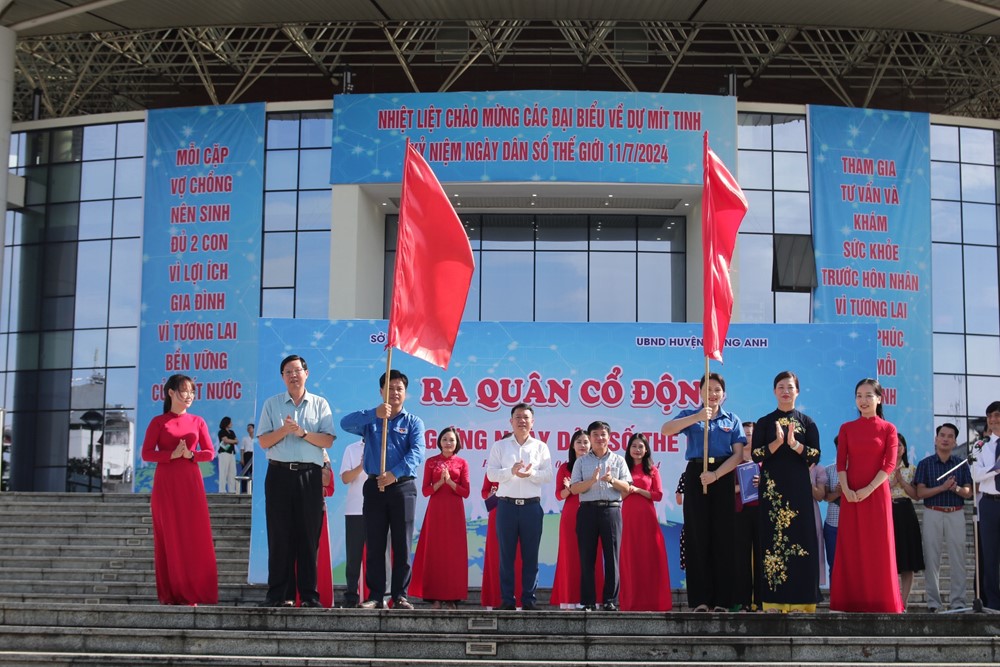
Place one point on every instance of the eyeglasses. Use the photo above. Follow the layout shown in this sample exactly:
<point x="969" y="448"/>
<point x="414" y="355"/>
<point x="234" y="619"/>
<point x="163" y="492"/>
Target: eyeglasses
<point x="297" y="371"/>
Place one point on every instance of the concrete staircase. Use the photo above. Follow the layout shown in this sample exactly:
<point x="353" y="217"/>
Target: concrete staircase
<point x="77" y="588"/>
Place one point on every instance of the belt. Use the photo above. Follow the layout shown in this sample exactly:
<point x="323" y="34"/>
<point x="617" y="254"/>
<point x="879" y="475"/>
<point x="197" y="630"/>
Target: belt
<point x="404" y="478"/>
<point x="520" y="501"/>
<point x="710" y="460"/>
<point x="901" y="500"/>
<point x="602" y="503"/>
<point x="994" y="496"/>
<point x="294" y="465"/>
<point x="944" y="509"/>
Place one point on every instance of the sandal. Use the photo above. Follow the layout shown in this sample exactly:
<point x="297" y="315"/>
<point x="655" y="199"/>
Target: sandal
<point x="701" y="608"/>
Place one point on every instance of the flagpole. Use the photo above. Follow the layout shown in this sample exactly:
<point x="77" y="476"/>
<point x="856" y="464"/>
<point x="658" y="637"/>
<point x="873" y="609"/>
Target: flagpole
<point x="704" y="398"/>
<point x="385" y="421"/>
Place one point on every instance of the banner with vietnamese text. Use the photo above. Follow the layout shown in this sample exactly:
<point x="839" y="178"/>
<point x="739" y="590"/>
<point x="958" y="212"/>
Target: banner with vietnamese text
<point x="872" y="232"/>
<point x="532" y="135"/>
<point x="634" y="376"/>
<point x="201" y="266"/>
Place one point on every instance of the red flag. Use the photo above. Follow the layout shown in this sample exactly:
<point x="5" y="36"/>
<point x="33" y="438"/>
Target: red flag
<point x="722" y="209"/>
<point x="434" y="267"/>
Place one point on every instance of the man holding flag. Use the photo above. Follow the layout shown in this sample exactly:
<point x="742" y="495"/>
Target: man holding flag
<point x="433" y="272"/>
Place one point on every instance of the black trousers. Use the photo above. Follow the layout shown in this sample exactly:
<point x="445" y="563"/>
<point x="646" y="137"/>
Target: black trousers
<point x="604" y="524"/>
<point x="294" y="509"/>
<point x="749" y="582"/>
<point x="354" y="543"/>
<point x="385" y="512"/>
<point x="709" y="534"/>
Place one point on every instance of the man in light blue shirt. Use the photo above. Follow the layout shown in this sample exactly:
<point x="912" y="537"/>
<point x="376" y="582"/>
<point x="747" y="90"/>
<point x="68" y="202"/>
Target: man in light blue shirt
<point x="294" y="429"/>
<point x="601" y="479"/>
<point x="390" y="496"/>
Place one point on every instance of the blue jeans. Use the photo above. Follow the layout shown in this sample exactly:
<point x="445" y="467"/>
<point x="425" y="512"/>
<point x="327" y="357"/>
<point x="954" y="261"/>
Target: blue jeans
<point x="830" y="540"/>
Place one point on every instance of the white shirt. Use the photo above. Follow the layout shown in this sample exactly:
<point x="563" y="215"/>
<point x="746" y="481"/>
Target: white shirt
<point x="246" y="444"/>
<point x="352" y="459"/>
<point x="985" y="459"/>
<point x="505" y="453"/>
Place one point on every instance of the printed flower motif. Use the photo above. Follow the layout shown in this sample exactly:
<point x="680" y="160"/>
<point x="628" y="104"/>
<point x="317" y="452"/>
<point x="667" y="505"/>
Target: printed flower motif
<point x="776" y="556"/>
<point x="797" y="427"/>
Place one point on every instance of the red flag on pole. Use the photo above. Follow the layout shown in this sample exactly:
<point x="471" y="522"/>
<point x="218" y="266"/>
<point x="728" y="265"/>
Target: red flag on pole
<point x="434" y="267"/>
<point x="722" y="209"/>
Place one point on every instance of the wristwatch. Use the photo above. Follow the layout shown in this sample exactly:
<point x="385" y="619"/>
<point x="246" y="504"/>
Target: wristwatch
<point x="304" y="434"/>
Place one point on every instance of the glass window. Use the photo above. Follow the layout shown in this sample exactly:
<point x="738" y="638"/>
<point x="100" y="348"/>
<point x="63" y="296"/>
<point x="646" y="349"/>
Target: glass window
<point x="282" y="130"/>
<point x="99" y="142"/>
<point x="949" y="353"/>
<point x="314" y="209"/>
<point x="754" y="130"/>
<point x="613" y="232"/>
<point x="67" y="144"/>
<point x="946" y="221"/>
<point x="791" y="172"/>
<point x="89" y="348"/>
<point x="120" y="388"/>
<point x="752" y="278"/>
<point x="755" y="170"/>
<point x="946" y="288"/>
<point x="508" y="232"/>
<point x="472" y="302"/>
<point x="662" y="234"/>
<point x="314" y="169"/>
<point x="561" y="287"/>
<point x="95" y="220"/>
<point x="612" y="287"/>
<point x="317" y="131"/>
<point x="62" y="222"/>
<point x="97" y="180"/>
<point x="791" y="213"/>
<point x="979" y="183"/>
<point x="789" y="133"/>
<point x="279" y="260"/>
<point x="561" y="232"/>
<point x="760" y="212"/>
<point x="129" y="178"/>
<point x="982" y="299"/>
<point x="983" y="353"/>
<point x="312" y="296"/>
<point x="977" y="145"/>
<point x="792" y="308"/>
<point x="944" y="143"/>
<point x="128" y="217"/>
<point x="277" y="303"/>
<point x="126" y="262"/>
<point x="949" y="395"/>
<point x="92" y="279"/>
<point x="57" y="349"/>
<point x="282" y="170"/>
<point x="279" y="211"/>
<point x="507" y="286"/>
<point x="944" y="181"/>
<point x="979" y="224"/>
<point x="131" y="139"/>
<point x="64" y="182"/>
<point x="661" y="287"/>
<point x="123" y="347"/>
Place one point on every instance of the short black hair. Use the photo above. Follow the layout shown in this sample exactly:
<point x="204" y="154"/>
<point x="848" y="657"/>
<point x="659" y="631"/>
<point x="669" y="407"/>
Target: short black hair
<point x="954" y="428"/>
<point x="393" y="375"/>
<point x="993" y="407"/>
<point x="293" y="357"/>
<point x="458" y="437"/>
<point x="522" y="406"/>
<point x="597" y="426"/>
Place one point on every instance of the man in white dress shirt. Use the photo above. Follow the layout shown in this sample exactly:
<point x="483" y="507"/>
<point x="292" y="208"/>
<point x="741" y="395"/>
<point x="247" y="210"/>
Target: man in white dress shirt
<point x="520" y="465"/>
<point x="984" y="472"/>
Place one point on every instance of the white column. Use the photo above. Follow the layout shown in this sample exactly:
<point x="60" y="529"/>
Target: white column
<point x="357" y="255"/>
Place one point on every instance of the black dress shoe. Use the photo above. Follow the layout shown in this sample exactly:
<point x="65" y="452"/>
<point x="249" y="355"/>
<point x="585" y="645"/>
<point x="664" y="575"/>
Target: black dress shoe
<point x="371" y="604"/>
<point x="589" y="607"/>
<point x="529" y="606"/>
<point x="506" y="607"/>
<point x="610" y="606"/>
<point x="311" y="603"/>
<point x="277" y="603"/>
<point x="401" y="603"/>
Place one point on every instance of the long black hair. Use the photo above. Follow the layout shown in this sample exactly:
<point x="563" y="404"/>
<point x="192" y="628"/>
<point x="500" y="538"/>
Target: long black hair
<point x="647" y="457"/>
<point x="571" y="457"/>
<point x="877" y="388"/>
<point x="175" y="382"/>
<point x="905" y="458"/>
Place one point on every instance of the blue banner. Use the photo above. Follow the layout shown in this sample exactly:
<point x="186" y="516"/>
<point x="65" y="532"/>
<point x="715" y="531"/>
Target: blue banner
<point x="201" y="265"/>
<point x="871" y="202"/>
<point x="634" y="376"/>
<point x="532" y="135"/>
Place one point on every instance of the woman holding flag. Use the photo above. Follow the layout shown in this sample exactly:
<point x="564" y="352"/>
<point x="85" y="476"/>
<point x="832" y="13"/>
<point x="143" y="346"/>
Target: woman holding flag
<point x="709" y="509"/>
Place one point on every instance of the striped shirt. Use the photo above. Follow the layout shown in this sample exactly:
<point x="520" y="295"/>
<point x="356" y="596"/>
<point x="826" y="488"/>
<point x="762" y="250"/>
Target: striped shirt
<point x="928" y="472"/>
